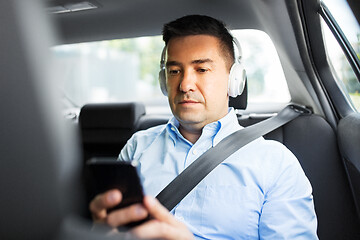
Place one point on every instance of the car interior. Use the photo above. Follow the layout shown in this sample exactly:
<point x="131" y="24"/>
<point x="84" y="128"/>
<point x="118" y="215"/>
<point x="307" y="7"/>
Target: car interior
<point x="44" y="150"/>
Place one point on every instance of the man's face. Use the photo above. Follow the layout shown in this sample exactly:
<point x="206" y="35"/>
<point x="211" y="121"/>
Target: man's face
<point x="197" y="80"/>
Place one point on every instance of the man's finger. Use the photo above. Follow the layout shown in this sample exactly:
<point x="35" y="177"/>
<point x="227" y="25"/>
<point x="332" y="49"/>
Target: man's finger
<point x="158" y="211"/>
<point x="153" y="229"/>
<point x="127" y="215"/>
<point x="102" y="202"/>
<point x="163" y="225"/>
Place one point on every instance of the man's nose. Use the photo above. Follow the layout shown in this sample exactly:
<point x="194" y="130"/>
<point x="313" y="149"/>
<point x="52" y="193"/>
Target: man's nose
<point x="188" y="81"/>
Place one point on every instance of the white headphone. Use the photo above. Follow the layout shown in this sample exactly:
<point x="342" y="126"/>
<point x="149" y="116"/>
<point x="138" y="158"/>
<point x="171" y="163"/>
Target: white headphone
<point x="237" y="75"/>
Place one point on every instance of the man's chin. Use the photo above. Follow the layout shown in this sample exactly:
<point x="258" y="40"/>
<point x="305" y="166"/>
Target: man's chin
<point x="188" y="118"/>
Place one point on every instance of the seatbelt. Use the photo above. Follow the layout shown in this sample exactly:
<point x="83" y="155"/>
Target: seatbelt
<point x="176" y="190"/>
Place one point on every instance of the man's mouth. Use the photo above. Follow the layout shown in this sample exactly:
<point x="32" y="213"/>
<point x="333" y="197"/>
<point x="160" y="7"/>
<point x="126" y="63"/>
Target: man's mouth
<point x="188" y="101"/>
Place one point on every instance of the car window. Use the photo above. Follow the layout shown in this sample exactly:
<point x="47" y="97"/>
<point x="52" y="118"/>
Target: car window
<point x="127" y="70"/>
<point x="345" y="76"/>
<point x="266" y="79"/>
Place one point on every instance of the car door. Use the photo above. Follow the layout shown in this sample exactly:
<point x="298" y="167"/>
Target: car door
<point x="347" y="76"/>
<point x="334" y="67"/>
<point x="339" y="73"/>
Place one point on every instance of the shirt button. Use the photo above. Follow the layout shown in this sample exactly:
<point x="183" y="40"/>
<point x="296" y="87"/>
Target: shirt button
<point x="194" y="152"/>
<point x="173" y="129"/>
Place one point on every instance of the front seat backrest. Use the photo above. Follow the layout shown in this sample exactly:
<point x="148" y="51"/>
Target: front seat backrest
<point x="38" y="157"/>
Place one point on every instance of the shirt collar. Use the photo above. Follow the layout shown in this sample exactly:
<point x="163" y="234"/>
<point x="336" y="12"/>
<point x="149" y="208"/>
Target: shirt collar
<point x="227" y="125"/>
<point x="172" y="128"/>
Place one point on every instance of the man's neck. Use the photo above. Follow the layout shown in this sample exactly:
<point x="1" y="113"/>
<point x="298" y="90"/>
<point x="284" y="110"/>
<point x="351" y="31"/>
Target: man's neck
<point x="191" y="134"/>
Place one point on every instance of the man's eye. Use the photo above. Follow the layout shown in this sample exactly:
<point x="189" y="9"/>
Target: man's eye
<point x="173" y="72"/>
<point x="203" y="70"/>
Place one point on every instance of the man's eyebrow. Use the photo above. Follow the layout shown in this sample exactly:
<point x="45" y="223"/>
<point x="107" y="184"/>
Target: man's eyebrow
<point x="172" y="63"/>
<point x="198" y="61"/>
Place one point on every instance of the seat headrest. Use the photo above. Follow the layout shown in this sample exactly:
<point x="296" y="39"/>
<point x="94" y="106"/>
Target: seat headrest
<point x="240" y="102"/>
<point x="111" y="115"/>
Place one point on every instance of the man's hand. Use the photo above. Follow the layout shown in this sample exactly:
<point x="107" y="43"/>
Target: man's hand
<point x="163" y="225"/>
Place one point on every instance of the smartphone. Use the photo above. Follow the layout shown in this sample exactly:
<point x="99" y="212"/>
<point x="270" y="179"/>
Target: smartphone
<point x="103" y="174"/>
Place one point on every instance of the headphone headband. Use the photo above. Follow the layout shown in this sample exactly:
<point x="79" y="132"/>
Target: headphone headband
<point x="238" y="46"/>
<point x="162" y="60"/>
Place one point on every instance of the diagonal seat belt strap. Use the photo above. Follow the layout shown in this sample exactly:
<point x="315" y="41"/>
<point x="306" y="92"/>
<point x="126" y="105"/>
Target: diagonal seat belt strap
<point x="176" y="190"/>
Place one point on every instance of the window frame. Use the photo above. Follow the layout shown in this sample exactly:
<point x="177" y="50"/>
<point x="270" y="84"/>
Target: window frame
<point x="341" y="39"/>
<point x="333" y="100"/>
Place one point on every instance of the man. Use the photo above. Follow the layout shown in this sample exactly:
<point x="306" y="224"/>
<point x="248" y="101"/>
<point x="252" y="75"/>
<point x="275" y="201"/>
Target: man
<point x="260" y="192"/>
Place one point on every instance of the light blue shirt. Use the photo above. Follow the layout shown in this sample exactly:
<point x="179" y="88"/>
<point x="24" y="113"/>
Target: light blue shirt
<point x="259" y="192"/>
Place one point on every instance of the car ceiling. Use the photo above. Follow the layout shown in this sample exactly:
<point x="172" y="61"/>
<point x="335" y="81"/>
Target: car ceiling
<point x="132" y="18"/>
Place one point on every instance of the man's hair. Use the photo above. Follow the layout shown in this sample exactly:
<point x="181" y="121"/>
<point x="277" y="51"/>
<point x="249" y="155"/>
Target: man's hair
<point x="201" y="25"/>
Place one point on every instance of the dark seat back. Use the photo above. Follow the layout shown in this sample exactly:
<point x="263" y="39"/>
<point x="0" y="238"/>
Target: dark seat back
<point x="349" y="141"/>
<point x="105" y="128"/>
<point x="314" y="143"/>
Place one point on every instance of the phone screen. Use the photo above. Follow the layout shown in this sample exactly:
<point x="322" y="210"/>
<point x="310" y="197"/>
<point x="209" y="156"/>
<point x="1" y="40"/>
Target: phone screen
<point x="104" y="174"/>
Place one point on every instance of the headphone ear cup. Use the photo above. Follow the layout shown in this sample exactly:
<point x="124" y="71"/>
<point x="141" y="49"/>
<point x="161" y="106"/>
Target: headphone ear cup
<point x="162" y="81"/>
<point x="237" y="79"/>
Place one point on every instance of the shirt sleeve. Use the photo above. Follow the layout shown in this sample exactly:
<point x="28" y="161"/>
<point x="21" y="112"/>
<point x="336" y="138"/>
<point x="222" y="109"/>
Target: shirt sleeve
<point x="137" y="144"/>
<point x="288" y="210"/>
<point x="127" y="153"/>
